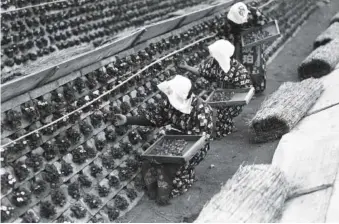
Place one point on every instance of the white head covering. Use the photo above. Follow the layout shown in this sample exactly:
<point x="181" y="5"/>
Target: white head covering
<point x="238" y="13"/>
<point x="222" y="51"/>
<point x="177" y="91"/>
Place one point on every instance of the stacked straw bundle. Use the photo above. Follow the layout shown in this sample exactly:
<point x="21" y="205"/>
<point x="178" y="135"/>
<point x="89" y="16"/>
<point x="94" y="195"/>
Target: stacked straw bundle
<point x="280" y="112"/>
<point x="321" y="61"/>
<point x="256" y="193"/>
<point x="327" y="36"/>
<point x="335" y="19"/>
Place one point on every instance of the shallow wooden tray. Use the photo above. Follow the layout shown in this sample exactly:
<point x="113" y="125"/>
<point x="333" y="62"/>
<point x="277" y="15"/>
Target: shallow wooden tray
<point x="195" y="143"/>
<point x="241" y="97"/>
<point x="272" y="27"/>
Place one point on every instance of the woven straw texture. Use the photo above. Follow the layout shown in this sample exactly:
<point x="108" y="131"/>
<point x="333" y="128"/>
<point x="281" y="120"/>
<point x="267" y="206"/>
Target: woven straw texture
<point x="256" y="193"/>
<point x="281" y="111"/>
<point x="335" y="19"/>
<point x="330" y="95"/>
<point x="327" y="36"/>
<point x="321" y="61"/>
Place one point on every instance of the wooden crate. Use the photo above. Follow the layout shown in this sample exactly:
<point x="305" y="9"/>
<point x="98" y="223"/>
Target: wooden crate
<point x="271" y="27"/>
<point x="195" y="143"/>
<point x="239" y="98"/>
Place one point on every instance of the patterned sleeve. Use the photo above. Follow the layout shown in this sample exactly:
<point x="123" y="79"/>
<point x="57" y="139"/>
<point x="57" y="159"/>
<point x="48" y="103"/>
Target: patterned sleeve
<point x="238" y="75"/>
<point x="158" y="115"/>
<point x="205" y="120"/>
<point x="209" y="69"/>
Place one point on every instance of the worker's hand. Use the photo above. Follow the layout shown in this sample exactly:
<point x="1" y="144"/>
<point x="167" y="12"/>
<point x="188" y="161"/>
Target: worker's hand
<point x="182" y="64"/>
<point x="120" y="120"/>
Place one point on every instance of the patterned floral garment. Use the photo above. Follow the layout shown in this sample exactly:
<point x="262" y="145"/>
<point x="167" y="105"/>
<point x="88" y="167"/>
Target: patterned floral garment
<point x="237" y="77"/>
<point x="164" y="181"/>
<point x="253" y="59"/>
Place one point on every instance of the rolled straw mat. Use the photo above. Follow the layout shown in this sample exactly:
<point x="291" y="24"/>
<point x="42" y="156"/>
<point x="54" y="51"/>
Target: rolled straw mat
<point x="327" y="36"/>
<point x="335" y="18"/>
<point x="321" y="61"/>
<point x="283" y="109"/>
<point x="256" y="193"/>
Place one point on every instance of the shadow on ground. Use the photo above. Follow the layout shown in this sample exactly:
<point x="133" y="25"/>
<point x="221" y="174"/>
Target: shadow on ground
<point x="227" y="154"/>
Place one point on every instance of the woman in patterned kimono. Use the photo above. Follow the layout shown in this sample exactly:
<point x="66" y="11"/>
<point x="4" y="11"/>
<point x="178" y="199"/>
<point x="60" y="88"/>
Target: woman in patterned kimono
<point x="226" y="72"/>
<point x="239" y="18"/>
<point x="185" y="112"/>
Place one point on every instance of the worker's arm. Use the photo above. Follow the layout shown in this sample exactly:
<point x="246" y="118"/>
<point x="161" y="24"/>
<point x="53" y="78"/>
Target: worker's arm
<point x="138" y="120"/>
<point x="121" y="119"/>
<point x="186" y="67"/>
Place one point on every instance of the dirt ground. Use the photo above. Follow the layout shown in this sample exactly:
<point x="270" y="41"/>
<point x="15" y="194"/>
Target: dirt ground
<point x="227" y="154"/>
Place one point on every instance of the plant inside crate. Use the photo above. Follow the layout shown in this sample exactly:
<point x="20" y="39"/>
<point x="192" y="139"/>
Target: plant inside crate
<point x="92" y="201"/>
<point x="84" y="180"/>
<point x="69" y="93"/>
<point x="113" y="181"/>
<point x="110" y="133"/>
<point x="96" y="119"/>
<point x="78" y="211"/>
<point x="7" y="182"/>
<point x="107" y="161"/>
<point x="79" y="85"/>
<point x="66" y="168"/>
<point x="82" y="101"/>
<point x="64" y="219"/>
<point x="62" y="144"/>
<point x="73" y="190"/>
<point x="51" y="175"/>
<point x="44" y="107"/>
<point x="6" y="213"/>
<point x="79" y="155"/>
<point x="121" y="203"/>
<point x="30" y="112"/>
<point x="100" y="143"/>
<point x="58" y="197"/>
<point x="20" y="170"/>
<point x="126" y="146"/>
<point x="131" y="194"/>
<point x="50" y="152"/>
<point x="30" y="217"/>
<point x="95" y="170"/>
<point x="13" y="119"/>
<point x="103" y="191"/>
<point x="113" y="213"/>
<point x="121" y="130"/>
<point x="38" y="187"/>
<point x="73" y="135"/>
<point x="34" y="161"/>
<point x="85" y="128"/>
<point x="47" y="209"/>
<point x="91" y="81"/>
<point x="91" y="152"/>
<point x="57" y="97"/>
<point x="73" y="118"/>
<point x="21" y="197"/>
<point x="117" y="151"/>
<point x="34" y="139"/>
<point x="94" y="95"/>
<point x="17" y="146"/>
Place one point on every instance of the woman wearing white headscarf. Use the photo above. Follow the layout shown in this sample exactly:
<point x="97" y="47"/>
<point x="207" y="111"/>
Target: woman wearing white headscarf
<point x="221" y="68"/>
<point x="240" y="17"/>
<point x="186" y="112"/>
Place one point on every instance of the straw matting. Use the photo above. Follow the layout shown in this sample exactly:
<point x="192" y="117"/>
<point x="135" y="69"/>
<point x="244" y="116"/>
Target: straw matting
<point x="281" y="111"/>
<point x="327" y="36"/>
<point x="256" y="193"/>
<point x="321" y="61"/>
<point x="335" y="19"/>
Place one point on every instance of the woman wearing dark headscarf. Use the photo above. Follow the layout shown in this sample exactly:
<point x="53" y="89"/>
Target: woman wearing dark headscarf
<point x="222" y="70"/>
<point x="186" y="112"/>
<point x="240" y="18"/>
